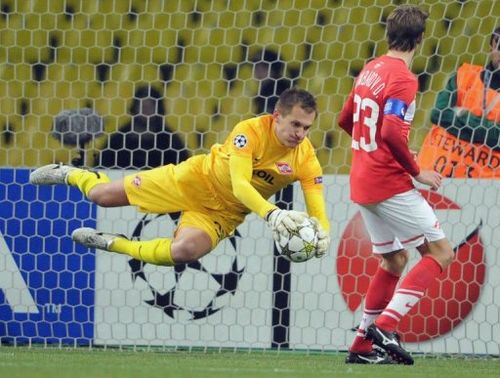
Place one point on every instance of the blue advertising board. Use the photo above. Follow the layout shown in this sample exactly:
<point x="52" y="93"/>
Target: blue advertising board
<point x="46" y="281"/>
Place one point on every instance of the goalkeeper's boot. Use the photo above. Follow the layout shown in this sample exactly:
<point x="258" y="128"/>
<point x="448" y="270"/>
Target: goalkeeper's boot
<point x="389" y="341"/>
<point x="375" y="357"/>
<point x="51" y="174"/>
<point x="94" y="239"/>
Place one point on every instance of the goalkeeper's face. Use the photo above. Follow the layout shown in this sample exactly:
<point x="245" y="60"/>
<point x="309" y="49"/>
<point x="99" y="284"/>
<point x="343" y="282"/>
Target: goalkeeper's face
<point x="292" y="128"/>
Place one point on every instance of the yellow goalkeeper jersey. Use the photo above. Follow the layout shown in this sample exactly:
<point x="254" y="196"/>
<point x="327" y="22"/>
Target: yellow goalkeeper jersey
<point x="274" y="167"/>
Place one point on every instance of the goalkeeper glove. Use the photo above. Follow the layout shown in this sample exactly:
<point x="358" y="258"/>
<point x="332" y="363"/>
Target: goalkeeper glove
<point x="281" y="221"/>
<point x="323" y="239"/>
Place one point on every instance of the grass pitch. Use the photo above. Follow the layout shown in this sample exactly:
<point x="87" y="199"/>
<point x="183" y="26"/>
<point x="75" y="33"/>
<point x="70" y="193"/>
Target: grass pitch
<point x="95" y="363"/>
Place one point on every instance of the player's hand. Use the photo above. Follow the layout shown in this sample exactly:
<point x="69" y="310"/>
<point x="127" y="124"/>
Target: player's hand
<point x="281" y="221"/>
<point x="431" y="178"/>
<point x="323" y="239"/>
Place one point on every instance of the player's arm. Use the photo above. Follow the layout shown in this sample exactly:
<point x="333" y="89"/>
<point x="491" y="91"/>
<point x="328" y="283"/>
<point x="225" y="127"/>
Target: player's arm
<point x="400" y="151"/>
<point x="280" y="221"/>
<point x="241" y="170"/>
<point x="395" y="131"/>
<point x="345" y="119"/>
<point x="312" y="186"/>
<point x="315" y="205"/>
<point x="396" y="122"/>
<point x="392" y="134"/>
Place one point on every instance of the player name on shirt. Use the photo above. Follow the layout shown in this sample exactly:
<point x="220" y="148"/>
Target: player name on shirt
<point x="371" y="80"/>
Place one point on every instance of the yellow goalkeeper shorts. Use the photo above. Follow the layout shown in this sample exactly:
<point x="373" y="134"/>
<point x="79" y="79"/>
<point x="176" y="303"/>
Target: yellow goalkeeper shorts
<point x="183" y="187"/>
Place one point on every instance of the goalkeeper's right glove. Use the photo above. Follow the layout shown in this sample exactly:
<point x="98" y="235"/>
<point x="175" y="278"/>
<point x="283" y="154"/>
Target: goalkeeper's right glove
<point x="323" y="239"/>
<point x="283" y="221"/>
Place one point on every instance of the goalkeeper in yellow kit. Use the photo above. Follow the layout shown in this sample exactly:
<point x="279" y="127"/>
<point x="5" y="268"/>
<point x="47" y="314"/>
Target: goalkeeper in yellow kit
<point x="215" y="191"/>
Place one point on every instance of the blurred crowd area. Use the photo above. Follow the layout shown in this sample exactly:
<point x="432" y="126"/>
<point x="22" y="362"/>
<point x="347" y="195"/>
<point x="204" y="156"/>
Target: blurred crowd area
<point x="211" y="63"/>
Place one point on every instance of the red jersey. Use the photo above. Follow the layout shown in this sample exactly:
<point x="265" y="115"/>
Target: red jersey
<point x="378" y="114"/>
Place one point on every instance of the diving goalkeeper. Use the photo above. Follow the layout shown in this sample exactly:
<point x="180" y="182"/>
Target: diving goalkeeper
<point x="214" y="191"/>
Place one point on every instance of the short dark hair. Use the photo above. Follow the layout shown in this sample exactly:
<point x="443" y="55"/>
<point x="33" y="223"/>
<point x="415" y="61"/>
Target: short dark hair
<point x="405" y="27"/>
<point x="296" y="96"/>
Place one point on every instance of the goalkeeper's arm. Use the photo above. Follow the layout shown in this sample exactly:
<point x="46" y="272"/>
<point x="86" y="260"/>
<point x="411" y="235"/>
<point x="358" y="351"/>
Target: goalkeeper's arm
<point x="315" y="204"/>
<point x="280" y="221"/>
<point x="240" y="168"/>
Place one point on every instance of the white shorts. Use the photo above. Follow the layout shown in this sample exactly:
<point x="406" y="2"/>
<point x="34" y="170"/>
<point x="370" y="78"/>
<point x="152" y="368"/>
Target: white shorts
<point x="400" y="222"/>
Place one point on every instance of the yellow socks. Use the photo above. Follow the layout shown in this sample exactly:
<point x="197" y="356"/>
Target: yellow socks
<point x="86" y="180"/>
<point x="156" y="251"/>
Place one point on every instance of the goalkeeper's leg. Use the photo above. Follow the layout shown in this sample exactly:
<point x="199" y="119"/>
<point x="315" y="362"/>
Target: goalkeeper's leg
<point x="96" y="186"/>
<point x="153" y="191"/>
<point x="156" y="251"/>
<point x="189" y="245"/>
<point x="197" y="234"/>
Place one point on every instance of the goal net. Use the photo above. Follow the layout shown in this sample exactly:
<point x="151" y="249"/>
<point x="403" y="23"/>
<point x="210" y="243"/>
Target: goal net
<point x="121" y="85"/>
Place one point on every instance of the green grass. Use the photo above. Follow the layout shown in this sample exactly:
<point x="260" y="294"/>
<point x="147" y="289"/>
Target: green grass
<point x="94" y="363"/>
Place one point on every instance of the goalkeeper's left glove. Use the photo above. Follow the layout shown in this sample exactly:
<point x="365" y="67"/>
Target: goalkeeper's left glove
<point x="323" y="239"/>
<point x="282" y="222"/>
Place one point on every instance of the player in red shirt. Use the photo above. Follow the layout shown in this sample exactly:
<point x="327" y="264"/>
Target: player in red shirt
<point x="378" y="114"/>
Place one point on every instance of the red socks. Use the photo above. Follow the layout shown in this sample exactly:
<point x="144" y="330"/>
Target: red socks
<point x="413" y="287"/>
<point x="379" y="294"/>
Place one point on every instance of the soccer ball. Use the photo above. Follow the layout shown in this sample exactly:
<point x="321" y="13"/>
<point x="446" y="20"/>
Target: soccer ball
<point x="301" y="244"/>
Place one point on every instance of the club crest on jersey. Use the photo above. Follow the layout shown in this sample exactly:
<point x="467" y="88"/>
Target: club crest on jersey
<point x="240" y="141"/>
<point x="284" y="168"/>
<point x="318" y="180"/>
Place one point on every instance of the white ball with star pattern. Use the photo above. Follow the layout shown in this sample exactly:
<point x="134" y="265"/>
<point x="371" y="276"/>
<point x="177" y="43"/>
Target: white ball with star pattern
<point x="300" y="244"/>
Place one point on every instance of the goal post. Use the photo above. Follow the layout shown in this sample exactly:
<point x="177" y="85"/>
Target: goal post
<point x="208" y="65"/>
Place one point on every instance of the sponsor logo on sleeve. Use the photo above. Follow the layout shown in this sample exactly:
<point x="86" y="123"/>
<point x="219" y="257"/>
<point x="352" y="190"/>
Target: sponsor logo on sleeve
<point x="318" y="180"/>
<point x="137" y="181"/>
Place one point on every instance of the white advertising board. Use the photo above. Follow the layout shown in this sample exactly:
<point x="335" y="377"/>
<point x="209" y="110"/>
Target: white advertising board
<point x="320" y="317"/>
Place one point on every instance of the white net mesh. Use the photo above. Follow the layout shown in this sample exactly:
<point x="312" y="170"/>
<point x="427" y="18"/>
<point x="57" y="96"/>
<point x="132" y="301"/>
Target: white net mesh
<point x="166" y="80"/>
